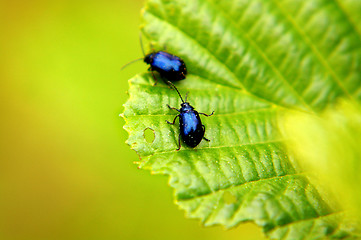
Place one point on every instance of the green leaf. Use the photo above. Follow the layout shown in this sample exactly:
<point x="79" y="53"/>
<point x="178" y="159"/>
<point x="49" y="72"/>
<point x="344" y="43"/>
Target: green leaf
<point x="251" y="62"/>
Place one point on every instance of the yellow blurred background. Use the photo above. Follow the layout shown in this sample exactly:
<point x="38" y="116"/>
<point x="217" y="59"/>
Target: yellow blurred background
<point x="65" y="171"/>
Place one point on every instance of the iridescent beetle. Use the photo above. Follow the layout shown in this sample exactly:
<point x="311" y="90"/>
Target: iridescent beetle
<point x="191" y="129"/>
<point x="170" y="67"/>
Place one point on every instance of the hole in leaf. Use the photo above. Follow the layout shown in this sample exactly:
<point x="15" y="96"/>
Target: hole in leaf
<point x="149" y="135"/>
<point x="229" y="198"/>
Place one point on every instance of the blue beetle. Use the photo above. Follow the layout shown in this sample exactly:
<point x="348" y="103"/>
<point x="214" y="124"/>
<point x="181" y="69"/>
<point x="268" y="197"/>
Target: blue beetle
<point x="191" y="129"/>
<point x="169" y="66"/>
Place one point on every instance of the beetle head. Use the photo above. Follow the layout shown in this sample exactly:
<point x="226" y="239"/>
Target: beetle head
<point x="148" y="58"/>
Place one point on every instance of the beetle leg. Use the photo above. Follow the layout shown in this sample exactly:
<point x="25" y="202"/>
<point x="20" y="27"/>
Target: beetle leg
<point x="204" y="130"/>
<point x="173" y="120"/>
<point x="173" y="108"/>
<point x="179" y="143"/>
<point x="207" y="115"/>
<point x="155" y="79"/>
<point x="166" y="81"/>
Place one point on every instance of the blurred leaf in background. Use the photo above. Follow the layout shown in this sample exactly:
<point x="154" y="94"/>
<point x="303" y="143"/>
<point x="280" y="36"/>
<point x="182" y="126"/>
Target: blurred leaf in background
<point x="328" y="147"/>
<point x="65" y="172"/>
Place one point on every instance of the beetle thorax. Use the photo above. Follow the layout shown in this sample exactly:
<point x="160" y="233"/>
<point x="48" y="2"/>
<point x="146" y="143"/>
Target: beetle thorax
<point x="186" y="107"/>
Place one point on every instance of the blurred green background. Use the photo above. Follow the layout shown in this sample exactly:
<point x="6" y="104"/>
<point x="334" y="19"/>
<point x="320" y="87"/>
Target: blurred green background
<point x="65" y="170"/>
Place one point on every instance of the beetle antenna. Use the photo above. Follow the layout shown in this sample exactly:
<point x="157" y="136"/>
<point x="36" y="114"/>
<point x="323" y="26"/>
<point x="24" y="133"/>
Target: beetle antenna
<point x="141" y="43"/>
<point x="127" y="64"/>
<point x="176" y="90"/>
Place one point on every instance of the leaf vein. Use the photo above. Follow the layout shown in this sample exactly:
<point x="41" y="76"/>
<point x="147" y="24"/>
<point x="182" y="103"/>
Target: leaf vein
<point x="268" y="61"/>
<point x="314" y="49"/>
<point x="221" y="147"/>
<point x="241" y="185"/>
<point x="231" y="72"/>
<point x="319" y="217"/>
<point x="349" y="19"/>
